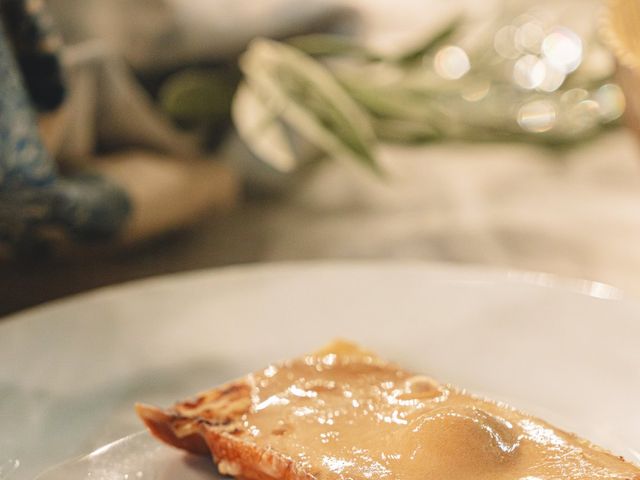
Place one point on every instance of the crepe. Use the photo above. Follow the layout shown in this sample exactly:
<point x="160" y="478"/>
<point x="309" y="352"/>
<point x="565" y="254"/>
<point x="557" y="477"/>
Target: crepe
<point x="344" y="413"/>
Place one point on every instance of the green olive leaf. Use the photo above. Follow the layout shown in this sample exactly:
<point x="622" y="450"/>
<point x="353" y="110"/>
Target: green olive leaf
<point x="307" y="98"/>
<point x="433" y="41"/>
<point x="331" y="44"/>
<point x="262" y="131"/>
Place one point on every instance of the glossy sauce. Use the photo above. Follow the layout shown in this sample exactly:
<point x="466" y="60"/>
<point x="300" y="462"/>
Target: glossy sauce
<point x="353" y="416"/>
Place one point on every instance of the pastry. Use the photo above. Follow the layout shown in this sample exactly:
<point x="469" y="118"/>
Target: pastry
<point x="344" y="413"/>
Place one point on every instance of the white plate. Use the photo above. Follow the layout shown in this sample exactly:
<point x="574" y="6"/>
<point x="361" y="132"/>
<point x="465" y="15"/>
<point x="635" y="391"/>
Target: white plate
<point x="71" y="371"/>
<point x="138" y="456"/>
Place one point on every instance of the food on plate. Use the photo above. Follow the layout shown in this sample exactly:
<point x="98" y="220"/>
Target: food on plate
<point x="344" y="413"/>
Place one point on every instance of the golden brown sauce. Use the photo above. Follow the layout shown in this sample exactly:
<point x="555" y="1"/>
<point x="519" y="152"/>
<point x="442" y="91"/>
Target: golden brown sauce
<point x="352" y="416"/>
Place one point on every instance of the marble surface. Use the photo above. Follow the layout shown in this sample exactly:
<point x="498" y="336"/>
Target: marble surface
<point x="573" y="213"/>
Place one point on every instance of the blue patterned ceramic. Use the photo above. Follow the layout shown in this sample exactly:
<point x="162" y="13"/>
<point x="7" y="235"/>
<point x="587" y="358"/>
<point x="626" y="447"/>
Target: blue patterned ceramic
<point x="36" y="44"/>
<point x="33" y="197"/>
<point x="23" y="159"/>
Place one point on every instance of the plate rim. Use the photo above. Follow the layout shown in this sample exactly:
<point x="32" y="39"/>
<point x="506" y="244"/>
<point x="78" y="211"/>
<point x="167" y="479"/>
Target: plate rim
<point x="438" y="273"/>
<point x="467" y="273"/>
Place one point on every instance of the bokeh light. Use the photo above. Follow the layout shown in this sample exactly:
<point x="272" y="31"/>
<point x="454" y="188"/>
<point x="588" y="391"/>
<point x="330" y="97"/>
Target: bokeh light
<point x="451" y="62"/>
<point x="505" y="44"/>
<point x="574" y="95"/>
<point x="477" y="91"/>
<point x="611" y="102"/>
<point x="562" y="48"/>
<point x="537" y="116"/>
<point x="598" y="62"/>
<point x="529" y="72"/>
<point x="529" y="37"/>
<point x="584" y="115"/>
<point x="553" y="79"/>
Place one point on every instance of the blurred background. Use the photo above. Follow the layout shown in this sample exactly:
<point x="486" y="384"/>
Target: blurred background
<point x="144" y="137"/>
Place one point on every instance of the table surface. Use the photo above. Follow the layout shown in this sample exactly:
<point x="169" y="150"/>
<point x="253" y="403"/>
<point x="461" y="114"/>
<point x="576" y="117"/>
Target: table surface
<point x="573" y="213"/>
